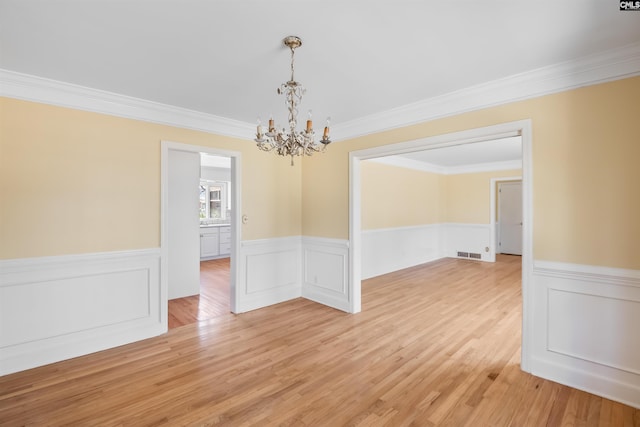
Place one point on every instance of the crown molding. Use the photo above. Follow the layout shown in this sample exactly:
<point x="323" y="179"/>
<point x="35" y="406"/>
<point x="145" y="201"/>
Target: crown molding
<point x="404" y="162"/>
<point x="612" y="65"/>
<point x="47" y="91"/>
<point x="606" y="66"/>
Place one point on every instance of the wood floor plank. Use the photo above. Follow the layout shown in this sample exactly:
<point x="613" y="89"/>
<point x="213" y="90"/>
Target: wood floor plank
<point x="213" y="299"/>
<point x="435" y="345"/>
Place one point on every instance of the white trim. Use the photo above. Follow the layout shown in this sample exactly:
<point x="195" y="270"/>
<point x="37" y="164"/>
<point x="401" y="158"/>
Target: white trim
<point x="47" y="91"/>
<point x="236" y="209"/>
<point x="313" y="240"/>
<point x="589" y="273"/>
<point x="355" y="232"/>
<point x="606" y="66"/>
<point x="29" y="264"/>
<point x="521" y="127"/>
<point x="600" y="385"/>
<point x="273" y="242"/>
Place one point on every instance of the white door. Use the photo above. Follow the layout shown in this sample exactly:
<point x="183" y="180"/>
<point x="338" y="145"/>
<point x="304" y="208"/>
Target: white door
<point x="184" y="224"/>
<point x="510" y="217"/>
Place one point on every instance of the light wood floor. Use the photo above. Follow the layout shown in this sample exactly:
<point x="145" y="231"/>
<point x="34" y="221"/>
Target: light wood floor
<point x="213" y="299"/>
<point x="436" y="344"/>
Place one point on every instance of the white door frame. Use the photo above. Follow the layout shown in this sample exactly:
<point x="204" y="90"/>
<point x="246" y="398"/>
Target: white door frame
<point x="522" y="128"/>
<point x="236" y="208"/>
<point x="494" y="228"/>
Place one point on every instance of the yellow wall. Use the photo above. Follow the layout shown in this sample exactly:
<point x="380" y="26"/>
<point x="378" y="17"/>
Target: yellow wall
<point x="76" y="182"/>
<point x="394" y="196"/>
<point x="399" y="197"/>
<point x="586" y="178"/>
<point x="80" y="182"/>
<point x="468" y="196"/>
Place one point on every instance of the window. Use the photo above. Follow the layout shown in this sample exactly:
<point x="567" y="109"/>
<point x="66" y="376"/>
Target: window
<point x="213" y="200"/>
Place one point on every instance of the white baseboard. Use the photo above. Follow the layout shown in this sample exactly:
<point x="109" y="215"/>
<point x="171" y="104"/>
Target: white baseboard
<point x="325" y="267"/>
<point x="585" y="331"/>
<point x="56" y="308"/>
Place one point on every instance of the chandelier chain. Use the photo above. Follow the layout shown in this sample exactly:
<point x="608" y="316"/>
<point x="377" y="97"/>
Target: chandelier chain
<point x="293" y="51"/>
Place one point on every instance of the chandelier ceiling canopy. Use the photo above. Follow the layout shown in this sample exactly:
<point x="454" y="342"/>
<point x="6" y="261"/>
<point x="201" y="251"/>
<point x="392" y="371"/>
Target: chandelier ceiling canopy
<point x="292" y="142"/>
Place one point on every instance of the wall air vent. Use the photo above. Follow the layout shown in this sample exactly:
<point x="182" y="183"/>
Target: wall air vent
<point x="475" y="256"/>
<point x="463" y="254"/>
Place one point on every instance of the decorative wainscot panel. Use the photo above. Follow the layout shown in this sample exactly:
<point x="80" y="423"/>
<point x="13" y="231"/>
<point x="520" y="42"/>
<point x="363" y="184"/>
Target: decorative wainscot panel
<point x="56" y="308"/>
<point x="325" y="266"/>
<point x="270" y="272"/>
<point x="586" y="328"/>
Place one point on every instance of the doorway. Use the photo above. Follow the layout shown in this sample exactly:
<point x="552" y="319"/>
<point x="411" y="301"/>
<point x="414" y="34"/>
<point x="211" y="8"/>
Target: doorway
<point x="519" y="128"/>
<point x="170" y="249"/>
<point x="213" y="300"/>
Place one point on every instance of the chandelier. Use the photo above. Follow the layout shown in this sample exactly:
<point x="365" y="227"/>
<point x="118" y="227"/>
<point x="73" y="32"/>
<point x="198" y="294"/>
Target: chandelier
<point x="292" y="143"/>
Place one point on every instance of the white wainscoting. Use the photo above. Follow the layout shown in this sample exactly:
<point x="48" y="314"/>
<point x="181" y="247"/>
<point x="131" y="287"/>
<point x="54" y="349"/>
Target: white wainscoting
<point x="390" y="249"/>
<point x="586" y="323"/>
<point x="470" y="238"/>
<point x="270" y="272"/>
<point x="56" y="308"/>
<point x="325" y="268"/>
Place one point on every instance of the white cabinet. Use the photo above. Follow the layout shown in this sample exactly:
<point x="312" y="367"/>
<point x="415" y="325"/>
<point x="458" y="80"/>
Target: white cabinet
<point x="209" y="242"/>
<point x="215" y="242"/>
<point x="225" y="240"/>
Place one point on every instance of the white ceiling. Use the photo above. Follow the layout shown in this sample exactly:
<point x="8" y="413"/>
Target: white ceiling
<point x="499" y="150"/>
<point x="358" y="57"/>
<point x="482" y="156"/>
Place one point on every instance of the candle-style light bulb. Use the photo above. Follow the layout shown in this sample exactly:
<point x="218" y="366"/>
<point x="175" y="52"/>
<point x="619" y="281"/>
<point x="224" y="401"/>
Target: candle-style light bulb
<point x="259" y="127"/>
<point x="326" y="129"/>
<point x="271" y="126"/>
<point x="309" y="123"/>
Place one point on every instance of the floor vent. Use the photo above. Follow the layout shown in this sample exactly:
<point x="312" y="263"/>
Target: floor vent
<point x="463" y="254"/>
<point x="475" y="256"/>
